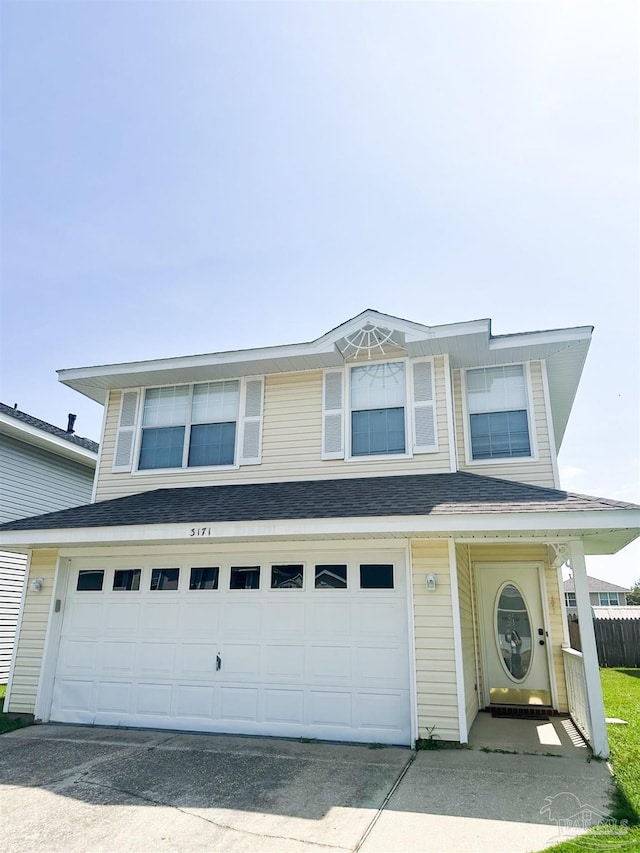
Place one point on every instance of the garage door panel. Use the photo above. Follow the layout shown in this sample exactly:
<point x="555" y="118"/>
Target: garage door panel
<point x="195" y="700"/>
<point x="283" y="662"/>
<point x="239" y="703"/>
<point x="380" y="664"/>
<point x="153" y="699"/>
<point x="381" y="619"/>
<point x="197" y="660"/>
<point x="74" y="694"/>
<point x="160" y="619"/>
<point x="156" y="659"/>
<point x="329" y="619"/>
<point x="330" y="708"/>
<point x="241" y="617"/>
<point x="121" y="618"/>
<point x="282" y="620"/>
<point x="284" y="706"/>
<point x="118" y="657"/>
<point x="114" y="697"/>
<point x="240" y="661"/>
<point x="381" y="710"/>
<point x="330" y="663"/>
<point x="84" y="617"/>
<point x="78" y="656"/>
<point x="199" y="618"/>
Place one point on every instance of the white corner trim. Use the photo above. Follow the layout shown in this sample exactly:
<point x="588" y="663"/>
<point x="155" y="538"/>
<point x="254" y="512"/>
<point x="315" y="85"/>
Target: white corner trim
<point x="451" y="415"/>
<point x="14" y="653"/>
<point x="553" y="450"/>
<point x="411" y="630"/>
<point x="457" y="644"/>
<point x="96" y="475"/>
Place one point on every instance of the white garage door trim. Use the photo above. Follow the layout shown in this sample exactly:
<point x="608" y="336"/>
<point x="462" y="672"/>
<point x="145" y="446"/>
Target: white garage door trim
<point x="332" y="664"/>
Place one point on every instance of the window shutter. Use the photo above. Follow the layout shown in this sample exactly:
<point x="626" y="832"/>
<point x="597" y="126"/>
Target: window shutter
<point x="333" y="415"/>
<point x="125" y="438"/>
<point x="425" y="435"/>
<point x="251" y="434"/>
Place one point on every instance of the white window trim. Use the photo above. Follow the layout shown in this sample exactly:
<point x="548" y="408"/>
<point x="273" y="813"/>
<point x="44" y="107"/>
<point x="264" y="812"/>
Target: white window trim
<point x="533" y="438"/>
<point x="153" y="472"/>
<point x="408" y="413"/>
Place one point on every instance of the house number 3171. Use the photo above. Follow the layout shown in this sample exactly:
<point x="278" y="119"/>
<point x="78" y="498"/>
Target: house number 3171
<point x="200" y="531"/>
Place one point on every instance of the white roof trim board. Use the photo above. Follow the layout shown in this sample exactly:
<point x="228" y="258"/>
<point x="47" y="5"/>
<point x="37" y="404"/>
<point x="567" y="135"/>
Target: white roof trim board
<point x="468" y="344"/>
<point x="40" y="438"/>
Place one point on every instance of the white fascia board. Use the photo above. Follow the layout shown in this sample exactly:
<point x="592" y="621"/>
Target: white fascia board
<point x="551" y="336"/>
<point x="200" y="532"/>
<point x="32" y="435"/>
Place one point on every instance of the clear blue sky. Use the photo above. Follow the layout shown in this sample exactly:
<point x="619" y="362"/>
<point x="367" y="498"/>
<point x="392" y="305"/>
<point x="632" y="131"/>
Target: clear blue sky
<point x="193" y="177"/>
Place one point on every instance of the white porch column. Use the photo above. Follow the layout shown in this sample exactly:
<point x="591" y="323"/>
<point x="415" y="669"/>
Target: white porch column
<point x="600" y="743"/>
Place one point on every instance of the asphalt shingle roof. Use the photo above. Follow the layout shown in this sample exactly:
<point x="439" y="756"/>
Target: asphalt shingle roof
<point x="595" y="585"/>
<point x="418" y="494"/>
<point x="50" y="428"/>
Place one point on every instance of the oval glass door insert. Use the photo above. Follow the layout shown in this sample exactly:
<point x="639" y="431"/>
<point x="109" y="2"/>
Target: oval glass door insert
<point x="513" y="627"/>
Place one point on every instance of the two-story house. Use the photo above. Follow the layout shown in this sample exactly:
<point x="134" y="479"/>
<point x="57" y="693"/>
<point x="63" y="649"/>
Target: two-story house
<point x="42" y="468"/>
<point x="358" y="538"/>
<point x="601" y="594"/>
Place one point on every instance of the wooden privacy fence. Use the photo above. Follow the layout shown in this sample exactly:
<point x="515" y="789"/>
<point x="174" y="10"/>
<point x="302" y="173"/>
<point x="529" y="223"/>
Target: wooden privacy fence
<point x="617" y="640"/>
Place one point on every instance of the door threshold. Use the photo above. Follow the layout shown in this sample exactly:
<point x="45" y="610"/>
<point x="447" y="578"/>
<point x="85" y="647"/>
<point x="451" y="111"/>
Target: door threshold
<point x="522" y="712"/>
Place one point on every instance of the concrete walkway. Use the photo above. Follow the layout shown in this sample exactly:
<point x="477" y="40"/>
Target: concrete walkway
<point x="76" y="789"/>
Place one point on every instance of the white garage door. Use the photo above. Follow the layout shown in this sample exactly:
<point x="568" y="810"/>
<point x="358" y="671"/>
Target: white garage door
<point x="298" y="648"/>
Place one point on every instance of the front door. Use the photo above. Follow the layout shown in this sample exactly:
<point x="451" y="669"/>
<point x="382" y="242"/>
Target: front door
<point x="514" y="637"/>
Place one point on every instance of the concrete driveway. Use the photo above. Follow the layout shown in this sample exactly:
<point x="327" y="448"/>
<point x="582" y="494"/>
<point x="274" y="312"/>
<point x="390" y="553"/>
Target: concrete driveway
<point x="76" y="789"/>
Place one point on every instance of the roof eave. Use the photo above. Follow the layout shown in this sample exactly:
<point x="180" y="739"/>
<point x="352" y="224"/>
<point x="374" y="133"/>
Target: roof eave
<point x="47" y="441"/>
<point x="602" y="531"/>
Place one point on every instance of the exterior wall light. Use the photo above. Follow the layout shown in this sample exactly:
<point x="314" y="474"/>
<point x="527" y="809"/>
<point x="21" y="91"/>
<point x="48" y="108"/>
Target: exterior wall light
<point x="431" y="582"/>
<point x="36" y="584"/>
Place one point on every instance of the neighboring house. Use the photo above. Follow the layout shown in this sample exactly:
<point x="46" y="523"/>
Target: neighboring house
<point x="358" y="538"/>
<point x="601" y="594"/>
<point x="42" y="468"/>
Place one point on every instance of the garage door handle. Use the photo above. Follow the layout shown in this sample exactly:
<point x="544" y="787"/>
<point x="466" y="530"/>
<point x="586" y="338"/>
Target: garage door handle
<point x="218" y="663"/>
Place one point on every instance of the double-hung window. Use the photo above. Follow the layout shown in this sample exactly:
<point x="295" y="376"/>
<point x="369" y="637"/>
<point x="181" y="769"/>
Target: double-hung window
<point x="570" y="599"/>
<point x="497" y="403"/>
<point x="189" y="425"/>
<point x="378" y="394"/>
<point x="608" y="599"/>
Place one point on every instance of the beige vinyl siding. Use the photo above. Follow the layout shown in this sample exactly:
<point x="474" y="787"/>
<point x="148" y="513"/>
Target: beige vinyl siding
<point x="291" y="446"/>
<point x="467" y="630"/>
<point x="537" y="473"/>
<point x="12" y="568"/>
<point x="535" y="554"/>
<point x="434" y="647"/>
<point x="33" y="629"/>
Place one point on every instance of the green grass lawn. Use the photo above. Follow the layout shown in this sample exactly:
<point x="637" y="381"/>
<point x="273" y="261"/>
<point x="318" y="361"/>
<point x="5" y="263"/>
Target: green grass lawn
<point x="621" y="689"/>
<point x="7" y="723"/>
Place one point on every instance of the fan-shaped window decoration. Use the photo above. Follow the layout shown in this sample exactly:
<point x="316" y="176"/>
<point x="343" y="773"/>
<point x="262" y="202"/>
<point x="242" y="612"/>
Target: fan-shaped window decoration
<point x="513" y="632"/>
<point x="370" y="340"/>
